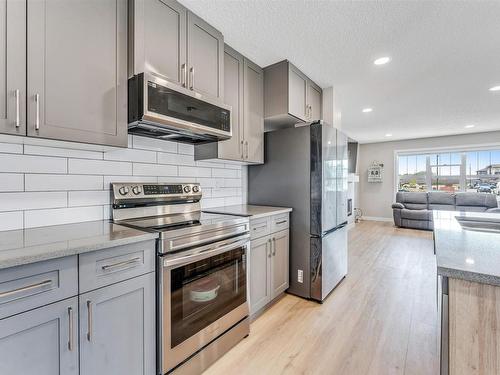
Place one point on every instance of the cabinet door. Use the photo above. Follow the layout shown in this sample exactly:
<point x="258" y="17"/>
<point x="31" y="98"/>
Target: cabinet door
<point x="77" y="70"/>
<point x="164" y="39"/>
<point x="297" y="91"/>
<point x="205" y="58"/>
<point x="13" y="67"/>
<point x="279" y="263"/>
<point x="253" y="111"/>
<point x="314" y="101"/>
<point x="117" y="328"/>
<point x="233" y="96"/>
<point x="260" y="263"/>
<point x="43" y="341"/>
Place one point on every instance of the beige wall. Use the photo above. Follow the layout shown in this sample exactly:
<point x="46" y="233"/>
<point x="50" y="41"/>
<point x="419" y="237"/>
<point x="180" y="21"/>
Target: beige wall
<point x="376" y="198"/>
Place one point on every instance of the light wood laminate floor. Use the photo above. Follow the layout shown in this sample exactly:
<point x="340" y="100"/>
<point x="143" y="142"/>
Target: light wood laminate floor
<point x="380" y="320"/>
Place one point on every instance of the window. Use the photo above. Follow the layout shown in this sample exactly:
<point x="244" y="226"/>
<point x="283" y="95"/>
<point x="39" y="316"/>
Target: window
<point x="450" y="171"/>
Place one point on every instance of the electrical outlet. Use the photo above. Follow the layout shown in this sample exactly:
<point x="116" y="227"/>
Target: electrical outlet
<point x="300" y="276"/>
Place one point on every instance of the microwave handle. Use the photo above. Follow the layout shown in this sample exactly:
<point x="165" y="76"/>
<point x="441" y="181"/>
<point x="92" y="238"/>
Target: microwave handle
<point x="206" y="252"/>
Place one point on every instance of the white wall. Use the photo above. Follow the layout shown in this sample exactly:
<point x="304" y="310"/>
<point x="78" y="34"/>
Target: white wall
<point x="376" y="198"/>
<point x="50" y="182"/>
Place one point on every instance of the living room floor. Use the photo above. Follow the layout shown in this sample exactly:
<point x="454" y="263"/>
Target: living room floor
<point x="380" y="320"/>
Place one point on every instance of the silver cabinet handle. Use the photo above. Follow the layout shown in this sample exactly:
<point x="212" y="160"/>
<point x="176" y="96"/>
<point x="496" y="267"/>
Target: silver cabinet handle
<point x="25" y="289"/>
<point x="70" y="327"/>
<point x="260" y="227"/>
<point x="18" y="118"/>
<point x="270" y="249"/>
<point x="281" y="222"/>
<point x="183" y="75"/>
<point x="274" y="246"/>
<point x="37" y="117"/>
<point x="243" y="149"/>
<point x="246" y="142"/>
<point x="191" y="71"/>
<point x="128" y="262"/>
<point x="89" y="321"/>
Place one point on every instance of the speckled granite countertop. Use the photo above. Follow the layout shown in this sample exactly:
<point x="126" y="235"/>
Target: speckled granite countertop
<point x="466" y="254"/>
<point x="19" y="247"/>
<point x="249" y="210"/>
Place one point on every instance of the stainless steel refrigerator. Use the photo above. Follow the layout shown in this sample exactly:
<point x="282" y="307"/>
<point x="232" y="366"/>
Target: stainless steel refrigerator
<point x="306" y="168"/>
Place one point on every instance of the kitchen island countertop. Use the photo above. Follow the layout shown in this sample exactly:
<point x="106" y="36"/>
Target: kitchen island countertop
<point x="463" y="253"/>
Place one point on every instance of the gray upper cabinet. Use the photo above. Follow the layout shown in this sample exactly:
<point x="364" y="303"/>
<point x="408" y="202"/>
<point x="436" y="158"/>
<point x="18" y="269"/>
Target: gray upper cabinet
<point x="77" y="70"/>
<point x="253" y="111"/>
<point x="314" y="101"/>
<point x="243" y="91"/>
<point x="205" y="58"/>
<point x="290" y="97"/>
<point x="117" y="328"/>
<point x="43" y="341"/>
<point x="163" y="50"/>
<point x="13" y="67"/>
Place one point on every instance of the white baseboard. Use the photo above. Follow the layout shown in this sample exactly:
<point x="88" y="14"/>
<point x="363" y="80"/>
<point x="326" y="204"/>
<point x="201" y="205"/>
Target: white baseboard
<point x="376" y="218"/>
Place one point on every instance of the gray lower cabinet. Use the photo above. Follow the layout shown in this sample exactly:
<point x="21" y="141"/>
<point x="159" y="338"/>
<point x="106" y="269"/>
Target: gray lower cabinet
<point x="269" y="266"/>
<point x="290" y="97"/>
<point x="77" y="70"/>
<point x="43" y="341"/>
<point x="243" y="91"/>
<point x="13" y="67"/>
<point x="117" y="328"/>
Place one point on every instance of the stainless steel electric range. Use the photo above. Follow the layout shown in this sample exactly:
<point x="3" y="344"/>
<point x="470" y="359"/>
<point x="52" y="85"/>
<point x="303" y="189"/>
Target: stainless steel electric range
<point x="202" y="308"/>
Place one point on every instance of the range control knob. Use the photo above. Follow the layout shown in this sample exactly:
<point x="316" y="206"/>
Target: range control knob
<point x="187" y="189"/>
<point x="196" y="189"/>
<point x="123" y="190"/>
<point x="137" y="190"/>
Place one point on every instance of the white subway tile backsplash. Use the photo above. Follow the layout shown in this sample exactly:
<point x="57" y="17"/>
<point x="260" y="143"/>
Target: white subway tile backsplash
<point x="11" y="220"/>
<point x="11" y="182"/>
<point x="195" y="171"/>
<point x="154" y="170"/>
<point x="61" y="152"/>
<point x="226" y="173"/>
<point x="44" y="182"/>
<point x="153" y="144"/>
<point x="104" y="167"/>
<point x="185" y="148"/>
<point x="11" y="148"/>
<point x="175" y="159"/>
<point x="128" y="154"/>
<point x="89" y="198"/>
<point x="62" y="182"/>
<point x="31" y="164"/>
<point x="40" y="218"/>
<point x="29" y="201"/>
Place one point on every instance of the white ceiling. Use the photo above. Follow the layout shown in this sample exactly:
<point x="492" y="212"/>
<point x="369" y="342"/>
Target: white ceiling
<point x="445" y="56"/>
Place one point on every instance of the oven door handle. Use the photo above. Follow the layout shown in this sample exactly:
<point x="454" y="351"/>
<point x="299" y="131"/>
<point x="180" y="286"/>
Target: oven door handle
<point x="206" y="252"/>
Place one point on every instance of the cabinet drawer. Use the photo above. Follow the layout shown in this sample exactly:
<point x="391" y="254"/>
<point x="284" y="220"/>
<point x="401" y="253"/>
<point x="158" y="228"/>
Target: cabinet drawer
<point x="29" y="286"/>
<point x="280" y="222"/>
<point x="259" y="228"/>
<point x="105" y="267"/>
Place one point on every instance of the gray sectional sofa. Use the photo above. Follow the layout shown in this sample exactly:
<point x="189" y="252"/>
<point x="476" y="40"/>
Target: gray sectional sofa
<point x="414" y="210"/>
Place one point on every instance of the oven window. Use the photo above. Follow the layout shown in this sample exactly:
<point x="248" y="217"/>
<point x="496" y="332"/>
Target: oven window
<point x="204" y="291"/>
<point x="171" y="103"/>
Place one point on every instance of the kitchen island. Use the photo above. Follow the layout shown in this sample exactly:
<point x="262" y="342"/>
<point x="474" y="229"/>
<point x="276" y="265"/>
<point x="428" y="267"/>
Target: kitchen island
<point x="467" y="246"/>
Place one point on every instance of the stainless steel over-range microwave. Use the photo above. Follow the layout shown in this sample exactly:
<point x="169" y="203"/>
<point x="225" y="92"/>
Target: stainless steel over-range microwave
<point x="160" y="109"/>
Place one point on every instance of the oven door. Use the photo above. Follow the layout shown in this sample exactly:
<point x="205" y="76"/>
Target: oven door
<point x="204" y="293"/>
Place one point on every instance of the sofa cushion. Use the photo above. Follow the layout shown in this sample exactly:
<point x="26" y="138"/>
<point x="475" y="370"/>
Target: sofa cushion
<point x="412" y="200"/>
<point x="484" y="200"/>
<point x="416" y="224"/>
<point x="416" y="214"/>
<point x="471" y="208"/>
<point x="441" y="198"/>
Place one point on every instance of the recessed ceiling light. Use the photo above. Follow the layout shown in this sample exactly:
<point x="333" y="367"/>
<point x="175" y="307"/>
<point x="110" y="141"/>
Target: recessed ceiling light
<point x="469" y="126"/>
<point x="367" y="110"/>
<point x="469" y="260"/>
<point x="388" y="135"/>
<point x="495" y="88"/>
<point x="382" y="60"/>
